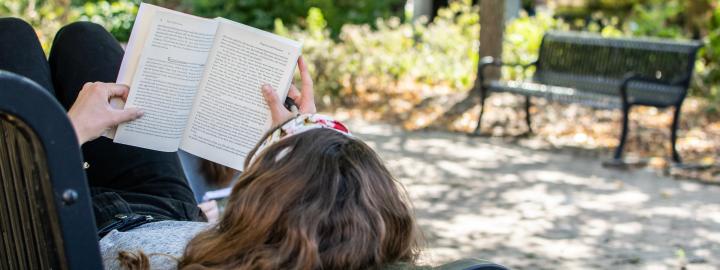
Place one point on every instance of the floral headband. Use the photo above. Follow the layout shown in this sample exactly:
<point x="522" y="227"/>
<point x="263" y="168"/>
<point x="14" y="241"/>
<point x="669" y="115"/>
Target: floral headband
<point x="300" y="124"/>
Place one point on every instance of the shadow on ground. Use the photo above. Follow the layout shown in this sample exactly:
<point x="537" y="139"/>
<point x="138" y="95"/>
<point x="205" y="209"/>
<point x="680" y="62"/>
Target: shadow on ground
<point x="535" y="209"/>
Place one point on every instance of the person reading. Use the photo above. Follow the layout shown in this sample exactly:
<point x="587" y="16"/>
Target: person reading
<point x="197" y="80"/>
<point x="311" y="196"/>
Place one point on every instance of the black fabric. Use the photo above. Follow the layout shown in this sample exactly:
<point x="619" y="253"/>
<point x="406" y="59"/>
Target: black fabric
<point x="82" y="52"/>
<point x="124" y="180"/>
<point x="21" y="53"/>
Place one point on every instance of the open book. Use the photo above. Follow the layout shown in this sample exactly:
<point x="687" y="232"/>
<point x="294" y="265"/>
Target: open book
<point x="198" y="81"/>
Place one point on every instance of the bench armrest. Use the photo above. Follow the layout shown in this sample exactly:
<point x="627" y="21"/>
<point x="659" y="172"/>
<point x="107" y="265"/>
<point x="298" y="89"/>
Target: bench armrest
<point x="496" y="62"/>
<point x="634" y="77"/>
<point x="489" y="60"/>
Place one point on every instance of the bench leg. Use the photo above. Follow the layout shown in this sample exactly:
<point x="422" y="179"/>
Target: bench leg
<point x="483" y="96"/>
<point x="623" y="135"/>
<point x="528" y="120"/>
<point x="673" y="135"/>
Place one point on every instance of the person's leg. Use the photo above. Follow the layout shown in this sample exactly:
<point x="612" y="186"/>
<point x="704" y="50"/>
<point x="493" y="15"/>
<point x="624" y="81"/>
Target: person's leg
<point x="82" y="52"/>
<point x="85" y="52"/>
<point x="21" y="53"/>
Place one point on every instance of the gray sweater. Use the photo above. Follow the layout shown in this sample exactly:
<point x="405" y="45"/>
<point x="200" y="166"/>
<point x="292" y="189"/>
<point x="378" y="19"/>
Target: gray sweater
<point x="171" y="237"/>
<point x="162" y="237"/>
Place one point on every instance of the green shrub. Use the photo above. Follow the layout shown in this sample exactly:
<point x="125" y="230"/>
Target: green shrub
<point x="262" y="13"/>
<point x="707" y="81"/>
<point x="522" y="40"/>
<point x="45" y="16"/>
<point x="441" y="53"/>
<point x="444" y="52"/>
<point x="369" y="54"/>
<point x="367" y="59"/>
<point x="116" y="16"/>
<point x="657" y="20"/>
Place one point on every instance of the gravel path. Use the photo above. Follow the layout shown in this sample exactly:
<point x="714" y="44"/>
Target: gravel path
<point x="536" y="209"/>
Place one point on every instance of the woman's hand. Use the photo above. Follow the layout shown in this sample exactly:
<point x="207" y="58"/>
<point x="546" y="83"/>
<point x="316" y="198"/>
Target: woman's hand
<point x="91" y="114"/>
<point x="304" y="97"/>
<point x="211" y="210"/>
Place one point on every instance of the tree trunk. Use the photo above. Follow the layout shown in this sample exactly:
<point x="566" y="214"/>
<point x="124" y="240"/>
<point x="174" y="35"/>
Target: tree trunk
<point x="492" y="26"/>
<point x="422" y="8"/>
<point x="697" y="15"/>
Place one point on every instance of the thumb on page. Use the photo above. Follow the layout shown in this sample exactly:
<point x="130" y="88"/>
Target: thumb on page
<point x="277" y="111"/>
<point x="270" y="96"/>
<point x="126" y="115"/>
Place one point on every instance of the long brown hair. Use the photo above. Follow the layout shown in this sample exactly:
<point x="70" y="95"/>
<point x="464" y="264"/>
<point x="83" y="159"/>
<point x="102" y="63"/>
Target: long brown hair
<point x="316" y="200"/>
<point x="216" y="174"/>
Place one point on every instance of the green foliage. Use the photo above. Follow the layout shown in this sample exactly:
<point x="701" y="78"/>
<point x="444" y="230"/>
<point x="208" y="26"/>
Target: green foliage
<point x="665" y="19"/>
<point x="48" y="16"/>
<point x="45" y="16"/>
<point x="658" y="20"/>
<point x="586" y="8"/>
<point x="444" y="52"/>
<point x="262" y="13"/>
<point x="319" y="50"/>
<point x="316" y="23"/>
<point x="708" y="67"/>
<point x="522" y="40"/>
<point x="363" y="59"/>
<point x="360" y="45"/>
<point x="116" y="16"/>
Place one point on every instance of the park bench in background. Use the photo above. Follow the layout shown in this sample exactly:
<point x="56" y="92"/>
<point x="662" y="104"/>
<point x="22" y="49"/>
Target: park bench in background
<point x="608" y="73"/>
<point x="46" y="219"/>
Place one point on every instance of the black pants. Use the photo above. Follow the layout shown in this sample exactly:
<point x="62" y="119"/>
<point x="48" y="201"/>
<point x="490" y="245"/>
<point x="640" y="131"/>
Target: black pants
<point x="125" y="181"/>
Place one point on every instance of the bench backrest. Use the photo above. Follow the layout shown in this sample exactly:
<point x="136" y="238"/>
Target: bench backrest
<point x="592" y="63"/>
<point x="46" y="220"/>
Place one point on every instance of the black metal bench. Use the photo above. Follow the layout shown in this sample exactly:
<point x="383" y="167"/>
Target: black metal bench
<point x="46" y="219"/>
<point x="607" y="73"/>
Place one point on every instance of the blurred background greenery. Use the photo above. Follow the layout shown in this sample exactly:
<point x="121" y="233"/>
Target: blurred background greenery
<point x="373" y="45"/>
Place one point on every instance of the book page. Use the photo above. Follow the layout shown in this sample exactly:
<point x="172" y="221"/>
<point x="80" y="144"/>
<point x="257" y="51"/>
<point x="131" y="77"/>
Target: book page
<point x="166" y="80"/>
<point x="230" y="114"/>
<point x="140" y="31"/>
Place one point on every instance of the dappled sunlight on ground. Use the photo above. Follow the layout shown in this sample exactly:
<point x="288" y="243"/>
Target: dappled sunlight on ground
<point x="535" y="209"/>
<point x="562" y="126"/>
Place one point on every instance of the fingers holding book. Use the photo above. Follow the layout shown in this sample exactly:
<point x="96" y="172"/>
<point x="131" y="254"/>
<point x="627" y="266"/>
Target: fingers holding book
<point x="304" y="98"/>
<point x="91" y="114"/>
<point x="307" y="97"/>
<point x="278" y="113"/>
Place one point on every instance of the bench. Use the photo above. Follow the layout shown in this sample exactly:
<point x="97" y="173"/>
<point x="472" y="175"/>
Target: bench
<point x="46" y="217"/>
<point x="605" y="73"/>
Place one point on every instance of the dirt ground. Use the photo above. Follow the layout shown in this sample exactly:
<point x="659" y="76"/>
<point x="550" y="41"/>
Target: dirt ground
<point x="528" y="208"/>
<point x="418" y="107"/>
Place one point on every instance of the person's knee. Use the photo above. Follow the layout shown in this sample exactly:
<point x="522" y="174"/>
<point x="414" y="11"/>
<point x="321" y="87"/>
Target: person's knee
<point x="78" y="31"/>
<point x="16" y="28"/>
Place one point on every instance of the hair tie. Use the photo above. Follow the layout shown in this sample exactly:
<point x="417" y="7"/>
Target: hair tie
<point x="300" y="124"/>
